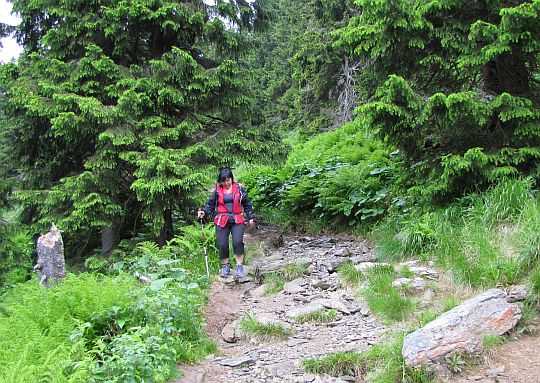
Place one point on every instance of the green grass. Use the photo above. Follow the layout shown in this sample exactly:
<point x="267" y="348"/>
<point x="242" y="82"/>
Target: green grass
<point x="534" y="284"/>
<point x="342" y="363"/>
<point x="498" y="231"/>
<point x="250" y="326"/>
<point x="382" y="363"/>
<point x="490" y="341"/>
<point x="382" y="298"/>
<point x="449" y="303"/>
<point x="425" y="317"/>
<point x="527" y="240"/>
<point x="319" y="316"/>
<point x="349" y="274"/>
<point x="274" y="283"/>
<point x="293" y="271"/>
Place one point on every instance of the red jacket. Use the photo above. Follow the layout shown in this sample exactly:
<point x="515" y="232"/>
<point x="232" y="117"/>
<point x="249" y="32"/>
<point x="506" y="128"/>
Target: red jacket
<point x="240" y="202"/>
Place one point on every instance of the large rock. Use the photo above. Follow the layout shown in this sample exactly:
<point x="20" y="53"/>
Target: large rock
<point x="462" y="328"/>
<point x="231" y="333"/>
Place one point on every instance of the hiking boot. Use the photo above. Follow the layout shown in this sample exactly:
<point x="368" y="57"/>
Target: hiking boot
<point x="240" y="273"/>
<point x="225" y="271"/>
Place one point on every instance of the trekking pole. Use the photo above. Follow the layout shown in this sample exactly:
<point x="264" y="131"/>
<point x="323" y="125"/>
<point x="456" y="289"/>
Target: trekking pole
<point x="204" y="248"/>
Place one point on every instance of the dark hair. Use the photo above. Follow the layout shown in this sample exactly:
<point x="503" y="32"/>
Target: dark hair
<point x="225" y="173"/>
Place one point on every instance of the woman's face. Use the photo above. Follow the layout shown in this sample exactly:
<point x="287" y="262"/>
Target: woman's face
<point x="226" y="183"/>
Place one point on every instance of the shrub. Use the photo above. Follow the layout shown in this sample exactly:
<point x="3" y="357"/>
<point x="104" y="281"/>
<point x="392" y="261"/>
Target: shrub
<point x="342" y="176"/>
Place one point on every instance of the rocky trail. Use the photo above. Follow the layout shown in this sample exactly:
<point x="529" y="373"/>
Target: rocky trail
<point x="243" y="358"/>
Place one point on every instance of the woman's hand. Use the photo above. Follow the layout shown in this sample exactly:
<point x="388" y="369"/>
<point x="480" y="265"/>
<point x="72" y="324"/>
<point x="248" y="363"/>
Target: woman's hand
<point x="200" y="214"/>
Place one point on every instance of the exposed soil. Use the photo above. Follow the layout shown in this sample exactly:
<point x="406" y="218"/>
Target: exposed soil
<point x="513" y="362"/>
<point x="223" y="307"/>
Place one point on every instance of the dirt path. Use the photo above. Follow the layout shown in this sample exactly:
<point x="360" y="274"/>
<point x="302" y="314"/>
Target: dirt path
<point x="279" y="360"/>
<point x="252" y="360"/>
<point x="513" y="362"/>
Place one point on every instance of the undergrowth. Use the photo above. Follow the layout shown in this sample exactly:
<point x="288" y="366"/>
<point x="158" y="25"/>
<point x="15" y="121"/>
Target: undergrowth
<point x="498" y="235"/>
<point x="104" y="328"/>
<point x="382" y="298"/>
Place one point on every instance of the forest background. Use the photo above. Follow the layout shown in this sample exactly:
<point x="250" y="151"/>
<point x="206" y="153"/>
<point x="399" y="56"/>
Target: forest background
<point x="408" y="122"/>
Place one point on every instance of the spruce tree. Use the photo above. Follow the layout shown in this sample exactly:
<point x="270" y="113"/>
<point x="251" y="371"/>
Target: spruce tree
<point x="453" y="84"/>
<point x="116" y="108"/>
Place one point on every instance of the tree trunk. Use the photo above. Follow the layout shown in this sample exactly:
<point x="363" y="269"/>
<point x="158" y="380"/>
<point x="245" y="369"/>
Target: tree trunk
<point x="50" y="263"/>
<point x="167" y="231"/>
<point x="108" y="239"/>
<point x="506" y="73"/>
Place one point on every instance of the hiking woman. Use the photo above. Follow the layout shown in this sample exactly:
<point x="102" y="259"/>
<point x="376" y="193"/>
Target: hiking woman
<point x="228" y="202"/>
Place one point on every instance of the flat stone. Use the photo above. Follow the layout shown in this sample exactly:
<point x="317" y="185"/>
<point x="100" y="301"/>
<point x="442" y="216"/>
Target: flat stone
<point x="369" y="265"/>
<point x="332" y="304"/>
<point x="330" y="265"/>
<point x="296" y="312"/>
<point x="236" y="362"/>
<point x="424" y="272"/>
<point x="462" y="328"/>
<point x="321" y="284"/>
<point x="517" y="293"/>
<point x="367" y="257"/>
<point x="494" y="372"/>
<point x="270" y="267"/>
<point x="283" y="369"/>
<point x="417" y="284"/>
<point x="294" y="286"/>
<point x="341" y="252"/>
<point x="269" y="319"/>
<point x="259" y="291"/>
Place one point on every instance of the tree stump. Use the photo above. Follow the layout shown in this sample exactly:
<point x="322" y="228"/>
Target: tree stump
<point x="50" y="262"/>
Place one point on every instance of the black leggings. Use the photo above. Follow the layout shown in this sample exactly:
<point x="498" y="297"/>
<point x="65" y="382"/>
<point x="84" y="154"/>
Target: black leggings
<point x="222" y="239"/>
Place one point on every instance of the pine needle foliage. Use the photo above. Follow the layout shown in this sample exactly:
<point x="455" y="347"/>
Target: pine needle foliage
<point x="453" y="86"/>
<point x="116" y="109"/>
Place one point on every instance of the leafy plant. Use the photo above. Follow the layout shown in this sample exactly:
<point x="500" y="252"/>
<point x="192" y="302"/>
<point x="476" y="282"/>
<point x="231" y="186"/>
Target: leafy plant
<point x="343" y="176"/>
<point x="455" y="362"/>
